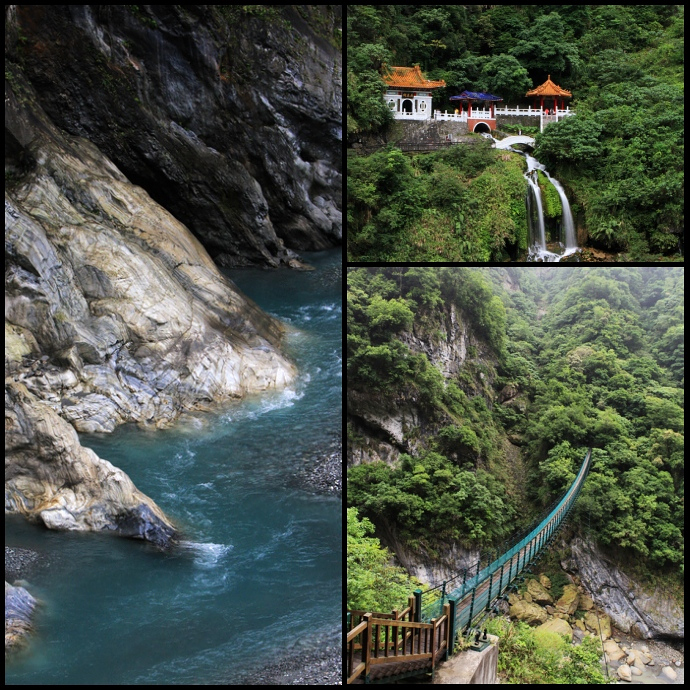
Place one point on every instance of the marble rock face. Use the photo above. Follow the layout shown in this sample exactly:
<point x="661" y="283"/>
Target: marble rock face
<point x="632" y="608"/>
<point x="114" y="313"/>
<point x="51" y="477"/>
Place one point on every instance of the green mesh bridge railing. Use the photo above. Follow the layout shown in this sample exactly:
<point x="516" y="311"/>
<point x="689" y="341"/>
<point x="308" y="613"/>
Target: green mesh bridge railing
<point x="463" y="598"/>
<point x="475" y="588"/>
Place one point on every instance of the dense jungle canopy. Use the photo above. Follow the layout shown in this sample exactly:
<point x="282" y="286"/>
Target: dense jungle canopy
<point x="620" y="157"/>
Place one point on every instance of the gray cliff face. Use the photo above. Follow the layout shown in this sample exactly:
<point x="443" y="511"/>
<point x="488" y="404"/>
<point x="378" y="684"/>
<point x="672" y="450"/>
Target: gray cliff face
<point x="643" y="613"/>
<point x="230" y="118"/>
<point x="114" y="313"/>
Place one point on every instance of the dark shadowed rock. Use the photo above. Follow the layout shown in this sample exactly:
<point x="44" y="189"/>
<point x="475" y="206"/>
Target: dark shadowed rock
<point x="231" y="118"/>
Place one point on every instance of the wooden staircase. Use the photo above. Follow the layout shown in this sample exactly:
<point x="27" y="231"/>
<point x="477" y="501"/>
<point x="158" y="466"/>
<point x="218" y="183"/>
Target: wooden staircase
<point x="382" y="646"/>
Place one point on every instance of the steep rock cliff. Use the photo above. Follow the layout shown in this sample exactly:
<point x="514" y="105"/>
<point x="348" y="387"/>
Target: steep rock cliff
<point x="229" y="116"/>
<point x="384" y="425"/>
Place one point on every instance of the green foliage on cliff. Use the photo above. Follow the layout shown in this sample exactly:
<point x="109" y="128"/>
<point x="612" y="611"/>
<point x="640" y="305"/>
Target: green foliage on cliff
<point x="562" y="360"/>
<point x="433" y="502"/>
<point x="373" y="584"/>
<point x="603" y="384"/>
<point x="463" y="204"/>
<point x="551" y="200"/>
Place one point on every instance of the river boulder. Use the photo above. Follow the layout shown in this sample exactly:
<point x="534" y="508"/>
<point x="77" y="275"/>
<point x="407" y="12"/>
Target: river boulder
<point x="557" y="625"/>
<point x="567" y="604"/>
<point x="538" y="593"/>
<point x="532" y="614"/>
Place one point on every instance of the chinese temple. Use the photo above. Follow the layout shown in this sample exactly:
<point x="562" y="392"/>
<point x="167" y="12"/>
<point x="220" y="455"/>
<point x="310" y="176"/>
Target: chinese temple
<point x="409" y="93"/>
<point x="479" y="116"/>
<point x="553" y="93"/>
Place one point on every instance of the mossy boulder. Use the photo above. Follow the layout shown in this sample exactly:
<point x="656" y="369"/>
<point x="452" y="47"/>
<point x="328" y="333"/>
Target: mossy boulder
<point x="538" y="593"/>
<point x="556" y="625"/>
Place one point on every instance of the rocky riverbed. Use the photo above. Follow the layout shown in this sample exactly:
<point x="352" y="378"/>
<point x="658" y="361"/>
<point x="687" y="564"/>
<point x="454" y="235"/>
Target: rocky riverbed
<point x="323" y="471"/>
<point x="575" y="614"/>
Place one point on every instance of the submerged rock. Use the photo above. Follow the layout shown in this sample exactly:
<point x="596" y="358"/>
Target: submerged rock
<point x="19" y="607"/>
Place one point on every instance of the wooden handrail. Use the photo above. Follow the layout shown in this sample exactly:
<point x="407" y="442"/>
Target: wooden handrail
<point x="355" y="631"/>
<point x="399" y="641"/>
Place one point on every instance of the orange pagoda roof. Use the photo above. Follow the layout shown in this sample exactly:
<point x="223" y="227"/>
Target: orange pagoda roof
<point x="409" y="77"/>
<point x="548" y="88"/>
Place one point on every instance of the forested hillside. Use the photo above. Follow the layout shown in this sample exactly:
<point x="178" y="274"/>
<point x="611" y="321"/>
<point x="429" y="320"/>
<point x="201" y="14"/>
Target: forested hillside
<point x="473" y="395"/>
<point x="620" y="157"/>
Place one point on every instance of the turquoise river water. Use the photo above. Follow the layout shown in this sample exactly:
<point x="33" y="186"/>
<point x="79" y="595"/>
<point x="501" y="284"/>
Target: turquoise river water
<point x="260" y="571"/>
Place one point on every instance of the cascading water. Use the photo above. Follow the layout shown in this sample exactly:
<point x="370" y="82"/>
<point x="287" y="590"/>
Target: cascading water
<point x="537" y="232"/>
<point x="537" y="238"/>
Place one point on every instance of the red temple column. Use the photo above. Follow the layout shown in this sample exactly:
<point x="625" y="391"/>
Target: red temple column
<point x="469" y="108"/>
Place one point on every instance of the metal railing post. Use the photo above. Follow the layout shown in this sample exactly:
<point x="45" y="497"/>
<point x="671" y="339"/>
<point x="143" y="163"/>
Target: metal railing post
<point x="469" y="621"/>
<point x="491" y="581"/>
<point x="417" y="605"/>
<point x="451" y="627"/>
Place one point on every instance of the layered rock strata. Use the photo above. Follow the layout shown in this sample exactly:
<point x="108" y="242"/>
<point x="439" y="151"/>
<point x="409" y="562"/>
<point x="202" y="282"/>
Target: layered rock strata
<point x="229" y="115"/>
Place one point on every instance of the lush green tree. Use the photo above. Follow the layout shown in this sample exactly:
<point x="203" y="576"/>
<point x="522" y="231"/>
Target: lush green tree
<point x="543" y="47"/>
<point x="504" y="75"/>
<point x="372" y="583"/>
<point x="573" y="139"/>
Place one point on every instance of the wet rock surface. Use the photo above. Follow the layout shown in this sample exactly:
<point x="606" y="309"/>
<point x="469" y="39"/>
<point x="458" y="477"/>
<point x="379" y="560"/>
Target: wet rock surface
<point x="230" y="116"/>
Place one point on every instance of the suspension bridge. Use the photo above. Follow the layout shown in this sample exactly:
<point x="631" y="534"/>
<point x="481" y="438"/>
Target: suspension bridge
<point x="382" y="647"/>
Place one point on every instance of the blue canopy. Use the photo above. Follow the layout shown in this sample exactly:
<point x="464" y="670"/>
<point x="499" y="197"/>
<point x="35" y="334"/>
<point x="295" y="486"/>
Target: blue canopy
<point x="475" y="96"/>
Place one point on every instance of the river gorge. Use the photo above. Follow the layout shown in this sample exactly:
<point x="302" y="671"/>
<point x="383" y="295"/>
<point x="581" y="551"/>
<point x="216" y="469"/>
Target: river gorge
<point x="173" y="365"/>
<point x="259" y="560"/>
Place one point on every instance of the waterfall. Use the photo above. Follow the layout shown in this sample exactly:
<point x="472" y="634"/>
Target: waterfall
<point x="537" y="235"/>
<point x="537" y="238"/>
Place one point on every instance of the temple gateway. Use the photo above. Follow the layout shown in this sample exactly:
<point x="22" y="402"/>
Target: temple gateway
<point x="408" y="95"/>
